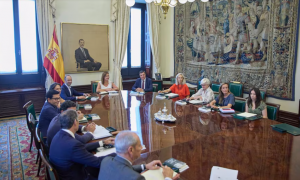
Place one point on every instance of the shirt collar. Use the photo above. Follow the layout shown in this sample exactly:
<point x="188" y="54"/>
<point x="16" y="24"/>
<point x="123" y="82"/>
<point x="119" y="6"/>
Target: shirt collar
<point x="68" y="86"/>
<point x="70" y="132"/>
<point x="125" y="159"/>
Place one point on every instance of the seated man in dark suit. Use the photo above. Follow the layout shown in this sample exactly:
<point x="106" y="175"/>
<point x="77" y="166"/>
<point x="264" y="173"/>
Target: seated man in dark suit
<point x="143" y="84"/>
<point x="83" y="57"/>
<point x="55" y="126"/>
<point x="68" y="93"/>
<point x="68" y="155"/>
<point x="129" y="148"/>
<point x="49" y="111"/>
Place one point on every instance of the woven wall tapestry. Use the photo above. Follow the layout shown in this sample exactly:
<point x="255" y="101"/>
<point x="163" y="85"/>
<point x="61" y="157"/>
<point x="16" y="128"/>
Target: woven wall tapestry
<point x="250" y="41"/>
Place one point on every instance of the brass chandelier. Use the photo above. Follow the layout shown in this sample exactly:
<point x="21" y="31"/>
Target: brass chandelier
<point x="164" y="4"/>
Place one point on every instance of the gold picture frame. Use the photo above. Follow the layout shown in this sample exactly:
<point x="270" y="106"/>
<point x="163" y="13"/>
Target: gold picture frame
<point x="96" y="42"/>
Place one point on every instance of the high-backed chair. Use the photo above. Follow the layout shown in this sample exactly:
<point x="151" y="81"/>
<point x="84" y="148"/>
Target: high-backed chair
<point x="38" y="145"/>
<point x="192" y="90"/>
<point x="215" y="87"/>
<point x="31" y="121"/>
<point x="154" y="87"/>
<point x="199" y="85"/>
<point x="29" y="108"/>
<point x="94" y="85"/>
<point x="51" y="173"/>
<point x="159" y="84"/>
<point x="273" y="111"/>
<point x="263" y="93"/>
<point x="240" y="104"/>
<point x="236" y="89"/>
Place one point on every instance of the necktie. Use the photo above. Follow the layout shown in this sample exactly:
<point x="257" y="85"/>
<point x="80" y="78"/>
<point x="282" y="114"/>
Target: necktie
<point x="83" y="52"/>
<point x="143" y="84"/>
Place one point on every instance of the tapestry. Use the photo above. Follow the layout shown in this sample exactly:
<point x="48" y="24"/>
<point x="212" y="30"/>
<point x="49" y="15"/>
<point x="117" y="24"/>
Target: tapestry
<point x="250" y="41"/>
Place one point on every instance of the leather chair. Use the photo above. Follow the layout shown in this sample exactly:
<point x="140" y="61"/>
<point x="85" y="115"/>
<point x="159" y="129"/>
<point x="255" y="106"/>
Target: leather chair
<point x="38" y="146"/>
<point x="51" y="173"/>
<point x="236" y="89"/>
<point x="30" y="120"/>
<point x="94" y="85"/>
<point x="240" y="104"/>
<point x="159" y="84"/>
<point x="192" y="91"/>
<point x="154" y="87"/>
<point x="215" y="87"/>
<point x="273" y="111"/>
<point x="199" y="85"/>
<point x="263" y="93"/>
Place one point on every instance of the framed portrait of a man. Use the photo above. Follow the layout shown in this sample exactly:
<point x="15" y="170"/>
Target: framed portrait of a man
<point x="85" y="47"/>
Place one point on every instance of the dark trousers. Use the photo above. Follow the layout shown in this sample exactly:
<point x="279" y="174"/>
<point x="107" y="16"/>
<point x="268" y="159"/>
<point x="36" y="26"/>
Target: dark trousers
<point x="91" y="66"/>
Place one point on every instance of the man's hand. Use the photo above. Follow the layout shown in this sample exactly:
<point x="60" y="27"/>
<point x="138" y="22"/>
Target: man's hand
<point x="86" y="94"/>
<point x="91" y="127"/>
<point x="139" y="90"/>
<point x="109" y="141"/>
<point x="81" y="97"/>
<point x="153" y="165"/>
<point x="80" y="115"/>
<point x="85" y="61"/>
<point x="167" y="172"/>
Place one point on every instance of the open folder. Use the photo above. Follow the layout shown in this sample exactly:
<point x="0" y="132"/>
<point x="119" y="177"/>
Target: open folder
<point x="101" y="132"/>
<point x="155" y="174"/>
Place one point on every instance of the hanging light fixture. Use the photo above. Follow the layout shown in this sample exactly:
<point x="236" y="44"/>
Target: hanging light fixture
<point x="164" y="4"/>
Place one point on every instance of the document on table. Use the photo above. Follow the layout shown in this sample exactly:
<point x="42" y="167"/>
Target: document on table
<point x="101" y="132"/>
<point x="245" y="114"/>
<point x="155" y="174"/>
<point x="220" y="173"/>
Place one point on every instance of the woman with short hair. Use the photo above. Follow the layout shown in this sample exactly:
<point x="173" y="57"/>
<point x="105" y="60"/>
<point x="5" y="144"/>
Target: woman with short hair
<point x="225" y="98"/>
<point x="179" y="87"/>
<point x="205" y="94"/>
<point x="255" y="104"/>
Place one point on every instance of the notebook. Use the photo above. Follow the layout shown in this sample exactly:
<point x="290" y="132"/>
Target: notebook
<point x="180" y="102"/>
<point x="226" y="110"/>
<point x="155" y="174"/>
<point x="87" y="107"/>
<point x="204" y="109"/>
<point x="171" y="95"/>
<point x="160" y="97"/>
<point x="195" y="101"/>
<point x="113" y="93"/>
<point x="220" y="173"/>
<point x="246" y="115"/>
<point x="176" y="165"/>
<point x="134" y="93"/>
<point x="101" y="132"/>
<point x="103" y="92"/>
<point x="94" y="98"/>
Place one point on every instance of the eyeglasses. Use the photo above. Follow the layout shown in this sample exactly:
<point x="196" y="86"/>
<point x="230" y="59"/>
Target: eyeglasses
<point x="56" y="99"/>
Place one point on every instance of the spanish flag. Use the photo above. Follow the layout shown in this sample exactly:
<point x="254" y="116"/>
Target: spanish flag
<point x="53" y="60"/>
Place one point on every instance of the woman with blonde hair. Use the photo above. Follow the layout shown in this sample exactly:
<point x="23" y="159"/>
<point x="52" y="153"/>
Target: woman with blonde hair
<point x="205" y="94"/>
<point x="105" y="84"/>
<point x="179" y="87"/>
<point x="225" y="98"/>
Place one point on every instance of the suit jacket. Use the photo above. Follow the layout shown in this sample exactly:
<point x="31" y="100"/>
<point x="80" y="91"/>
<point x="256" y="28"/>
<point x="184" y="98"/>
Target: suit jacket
<point x="48" y="112"/>
<point x="113" y="168"/>
<point x="148" y="85"/>
<point x="55" y="126"/>
<point x="69" y="157"/>
<point x="65" y="93"/>
<point x="79" y="56"/>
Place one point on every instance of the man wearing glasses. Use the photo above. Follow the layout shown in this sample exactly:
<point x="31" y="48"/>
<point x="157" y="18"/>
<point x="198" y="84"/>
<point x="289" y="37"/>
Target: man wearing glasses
<point x="49" y="111"/>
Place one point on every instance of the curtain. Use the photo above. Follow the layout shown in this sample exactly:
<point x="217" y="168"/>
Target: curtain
<point x="121" y="37"/>
<point x="45" y="16"/>
<point x="154" y="21"/>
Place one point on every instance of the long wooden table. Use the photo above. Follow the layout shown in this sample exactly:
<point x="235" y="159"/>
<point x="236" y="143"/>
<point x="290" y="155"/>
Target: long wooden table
<point x="202" y="140"/>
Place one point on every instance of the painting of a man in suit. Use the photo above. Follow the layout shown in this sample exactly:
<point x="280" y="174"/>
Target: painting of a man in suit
<point x="83" y="57"/>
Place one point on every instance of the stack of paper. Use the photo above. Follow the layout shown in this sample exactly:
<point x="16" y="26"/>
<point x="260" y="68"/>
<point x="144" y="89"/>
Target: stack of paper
<point x="103" y="92"/>
<point x="226" y="110"/>
<point x="245" y="114"/>
<point x="94" y="98"/>
<point x="133" y="93"/>
<point x="174" y="163"/>
<point x="180" y="102"/>
<point x="204" y="109"/>
<point x="94" y="116"/>
<point x="196" y="101"/>
<point x="155" y="174"/>
<point x="88" y="107"/>
<point x="219" y="173"/>
<point x="101" y="132"/>
<point x="113" y="93"/>
<point x="171" y="95"/>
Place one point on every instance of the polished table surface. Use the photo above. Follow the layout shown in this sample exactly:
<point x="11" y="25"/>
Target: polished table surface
<point x="202" y="140"/>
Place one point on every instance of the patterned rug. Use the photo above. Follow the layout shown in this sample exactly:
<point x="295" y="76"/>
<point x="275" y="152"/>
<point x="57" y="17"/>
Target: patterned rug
<point x="16" y="162"/>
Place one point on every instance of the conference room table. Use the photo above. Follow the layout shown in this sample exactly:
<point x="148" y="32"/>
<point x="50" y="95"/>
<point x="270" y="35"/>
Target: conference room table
<point x="202" y="140"/>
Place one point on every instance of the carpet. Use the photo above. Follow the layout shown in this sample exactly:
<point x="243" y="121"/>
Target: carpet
<point x="16" y="162"/>
<point x="250" y="41"/>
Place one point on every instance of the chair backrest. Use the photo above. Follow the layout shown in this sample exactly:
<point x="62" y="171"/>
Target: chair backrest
<point x="240" y="104"/>
<point x="94" y="85"/>
<point x="31" y="123"/>
<point x="192" y="91"/>
<point x="263" y="94"/>
<point x="236" y="89"/>
<point x="273" y="111"/>
<point x="50" y="171"/>
<point x="29" y="108"/>
<point x="42" y="142"/>
<point x="154" y="88"/>
<point x="159" y="84"/>
<point x="199" y="85"/>
<point x="215" y="87"/>
<point x="37" y="140"/>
